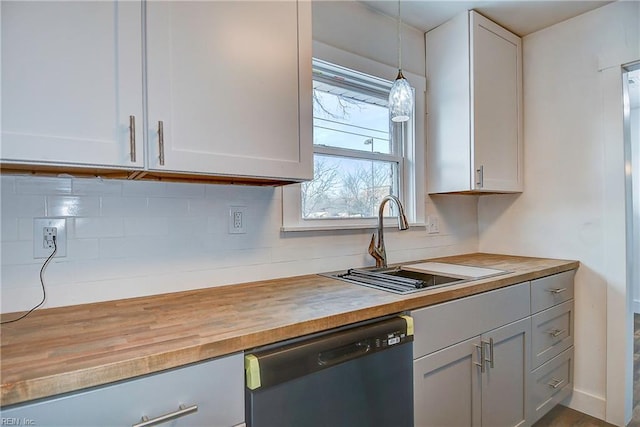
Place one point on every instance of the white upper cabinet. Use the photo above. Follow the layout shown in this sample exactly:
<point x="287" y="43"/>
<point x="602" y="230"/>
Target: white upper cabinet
<point x="230" y="83"/>
<point x="72" y="83"/>
<point x="474" y="111"/>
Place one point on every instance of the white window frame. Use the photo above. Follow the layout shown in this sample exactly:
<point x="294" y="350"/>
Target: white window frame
<point x="412" y="167"/>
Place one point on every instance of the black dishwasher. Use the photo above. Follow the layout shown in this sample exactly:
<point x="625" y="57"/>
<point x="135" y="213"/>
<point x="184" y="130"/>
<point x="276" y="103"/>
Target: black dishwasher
<point x="357" y="376"/>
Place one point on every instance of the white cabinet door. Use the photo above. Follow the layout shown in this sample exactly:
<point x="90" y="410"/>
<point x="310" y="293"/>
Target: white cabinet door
<point x="71" y="80"/>
<point x="474" y="107"/>
<point x="505" y="385"/>
<point x="497" y="91"/>
<point x="216" y="387"/>
<point x="230" y="81"/>
<point x="447" y="386"/>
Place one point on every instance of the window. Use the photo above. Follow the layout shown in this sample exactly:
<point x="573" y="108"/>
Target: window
<point x="359" y="154"/>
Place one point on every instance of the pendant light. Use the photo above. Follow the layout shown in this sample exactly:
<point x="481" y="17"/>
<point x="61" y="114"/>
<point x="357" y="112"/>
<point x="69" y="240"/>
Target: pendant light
<point x="401" y="95"/>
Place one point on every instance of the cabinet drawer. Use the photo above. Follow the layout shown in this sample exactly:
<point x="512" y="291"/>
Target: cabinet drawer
<point x="552" y="332"/>
<point x="552" y="383"/>
<point x="442" y="325"/>
<point x="551" y="290"/>
<point x="216" y="387"/>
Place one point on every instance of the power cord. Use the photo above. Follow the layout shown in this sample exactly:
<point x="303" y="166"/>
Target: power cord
<point x="44" y="292"/>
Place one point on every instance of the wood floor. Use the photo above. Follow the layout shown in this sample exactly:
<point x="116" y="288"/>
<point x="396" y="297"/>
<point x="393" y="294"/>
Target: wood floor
<point x="561" y="416"/>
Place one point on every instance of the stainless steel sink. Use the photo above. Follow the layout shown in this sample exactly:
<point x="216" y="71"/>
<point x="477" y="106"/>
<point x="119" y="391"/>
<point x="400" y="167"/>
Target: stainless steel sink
<point x="395" y="279"/>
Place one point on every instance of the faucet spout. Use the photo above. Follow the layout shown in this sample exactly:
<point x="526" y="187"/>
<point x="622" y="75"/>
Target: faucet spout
<point x="377" y="250"/>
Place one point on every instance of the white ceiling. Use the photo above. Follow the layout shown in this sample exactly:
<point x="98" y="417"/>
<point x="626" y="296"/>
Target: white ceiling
<point x="519" y="16"/>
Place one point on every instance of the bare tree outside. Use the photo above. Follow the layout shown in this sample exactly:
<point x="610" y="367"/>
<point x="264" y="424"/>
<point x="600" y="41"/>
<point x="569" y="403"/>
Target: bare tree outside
<point x="346" y="187"/>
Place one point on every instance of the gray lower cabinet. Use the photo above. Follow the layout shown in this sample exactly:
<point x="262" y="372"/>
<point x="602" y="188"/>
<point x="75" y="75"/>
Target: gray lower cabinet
<point x="552" y="342"/>
<point x="480" y="381"/>
<point x="210" y="394"/>
<point x="499" y="358"/>
<point x="472" y="360"/>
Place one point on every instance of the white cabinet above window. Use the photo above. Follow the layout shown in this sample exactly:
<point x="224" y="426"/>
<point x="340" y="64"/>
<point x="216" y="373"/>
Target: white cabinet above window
<point x="474" y="107"/>
<point x="227" y="95"/>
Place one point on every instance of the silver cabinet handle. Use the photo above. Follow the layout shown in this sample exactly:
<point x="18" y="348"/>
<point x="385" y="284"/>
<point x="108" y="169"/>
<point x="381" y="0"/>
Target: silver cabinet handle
<point x="490" y="359"/>
<point x="181" y="412"/>
<point x="555" y="332"/>
<point x="482" y="356"/>
<point x="557" y="290"/>
<point x="161" y="141"/>
<point x="132" y="138"/>
<point x="480" y="173"/>
<point x="555" y="383"/>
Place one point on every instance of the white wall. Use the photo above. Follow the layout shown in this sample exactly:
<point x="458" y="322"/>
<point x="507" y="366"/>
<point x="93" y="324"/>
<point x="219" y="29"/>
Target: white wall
<point x="130" y="239"/>
<point x="634" y="119"/>
<point x="573" y="203"/>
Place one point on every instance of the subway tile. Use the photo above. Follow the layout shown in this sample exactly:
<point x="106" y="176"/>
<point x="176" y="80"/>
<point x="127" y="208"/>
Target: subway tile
<point x="80" y="249"/>
<point x="43" y="185"/>
<point x="134" y="246"/>
<point x="96" y="187"/>
<point x="124" y="206"/>
<point x="188" y="190"/>
<point x="93" y="227"/>
<point x="191" y="226"/>
<point x="143" y="189"/>
<point x="18" y="206"/>
<point x="25" y="229"/>
<point x="17" y="252"/>
<point x="147" y="226"/>
<point x="7" y="185"/>
<point x="73" y="206"/>
<point x="204" y="207"/>
<point x="165" y="206"/>
<point x="9" y="230"/>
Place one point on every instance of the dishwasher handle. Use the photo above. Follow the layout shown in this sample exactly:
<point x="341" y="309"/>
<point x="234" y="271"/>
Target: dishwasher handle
<point x="342" y="354"/>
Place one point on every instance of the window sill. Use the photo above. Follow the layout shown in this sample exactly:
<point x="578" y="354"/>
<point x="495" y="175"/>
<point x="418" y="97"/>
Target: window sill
<point x="330" y="227"/>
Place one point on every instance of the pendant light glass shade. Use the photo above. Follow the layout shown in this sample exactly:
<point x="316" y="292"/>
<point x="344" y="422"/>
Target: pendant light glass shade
<point x="400" y="99"/>
<point x="401" y="95"/>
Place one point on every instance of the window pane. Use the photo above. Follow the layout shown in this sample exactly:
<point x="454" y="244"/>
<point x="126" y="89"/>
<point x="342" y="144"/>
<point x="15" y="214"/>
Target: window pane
<point x="346" y="120"/>
<point x="348" y="188"/>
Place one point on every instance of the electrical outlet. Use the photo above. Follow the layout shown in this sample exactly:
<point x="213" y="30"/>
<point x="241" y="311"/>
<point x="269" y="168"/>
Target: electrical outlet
<point x="237" y="219"/>
<point x="44" y="231"/>
<point x="49" y="234"/>
<point x="432" y="224"/>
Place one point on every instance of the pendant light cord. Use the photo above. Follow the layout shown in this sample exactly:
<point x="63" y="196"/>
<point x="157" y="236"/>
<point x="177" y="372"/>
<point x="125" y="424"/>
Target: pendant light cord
<point x="399" y="38"/>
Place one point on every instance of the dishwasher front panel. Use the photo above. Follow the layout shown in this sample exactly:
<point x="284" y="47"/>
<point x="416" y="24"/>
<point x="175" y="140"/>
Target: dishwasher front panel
<point x="372" y="389"/>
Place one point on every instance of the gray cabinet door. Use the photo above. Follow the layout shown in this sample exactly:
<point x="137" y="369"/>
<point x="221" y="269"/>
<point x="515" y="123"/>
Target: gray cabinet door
<point x="447" y="386"/>
<point x="505" y="382"/>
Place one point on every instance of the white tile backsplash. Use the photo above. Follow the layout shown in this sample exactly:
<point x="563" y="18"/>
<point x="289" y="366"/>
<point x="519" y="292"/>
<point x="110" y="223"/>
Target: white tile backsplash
<point x="130" y="238"/>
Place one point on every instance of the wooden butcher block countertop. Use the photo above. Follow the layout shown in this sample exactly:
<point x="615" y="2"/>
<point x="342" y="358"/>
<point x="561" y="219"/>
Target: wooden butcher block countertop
<point x="64" y="349"/>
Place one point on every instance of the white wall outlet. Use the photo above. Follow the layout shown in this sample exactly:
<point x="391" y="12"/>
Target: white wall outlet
<point x="44" y="231"/>
<point x="432" y="224"/>
<point x="237" y="219"/>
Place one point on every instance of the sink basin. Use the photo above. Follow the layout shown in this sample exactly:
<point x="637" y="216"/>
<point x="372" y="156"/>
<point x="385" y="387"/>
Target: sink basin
<point x="395" y="279"/>
<point x="411" y="278"/>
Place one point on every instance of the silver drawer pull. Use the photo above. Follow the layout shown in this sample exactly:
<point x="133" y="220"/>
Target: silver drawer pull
<point x="161" y="142"/>
<point x="555" y="332"/>
<point x="557" y="290"/>
<point x="181" y="412"/>
<point x="482" y="356"/>
<point x="132" y="138"/>
<point x="555" y="383"/>
<point x="490" y="344"/>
